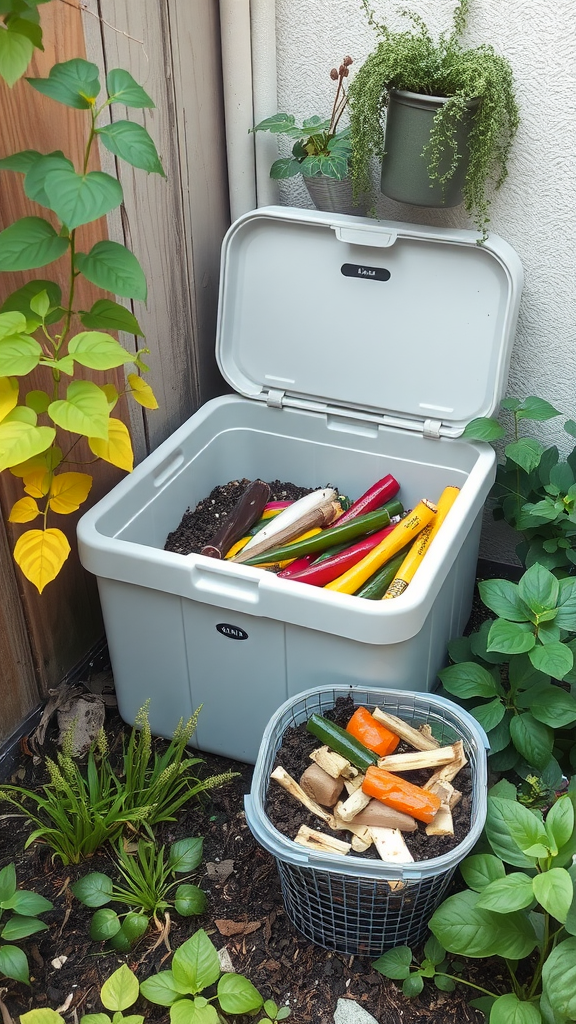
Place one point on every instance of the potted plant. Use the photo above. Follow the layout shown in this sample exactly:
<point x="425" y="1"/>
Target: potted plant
<point x="321" y="152"/>
<point x="450" y="116"/>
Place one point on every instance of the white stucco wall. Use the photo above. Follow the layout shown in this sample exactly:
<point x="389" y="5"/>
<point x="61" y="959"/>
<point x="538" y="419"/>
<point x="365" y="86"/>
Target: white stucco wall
<point x="535" y="210"/>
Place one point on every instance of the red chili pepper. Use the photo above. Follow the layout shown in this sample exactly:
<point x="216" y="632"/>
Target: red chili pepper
<point x="377" y="495"/>
<point x="297" y="566"/>
<point x="321" y="573"/>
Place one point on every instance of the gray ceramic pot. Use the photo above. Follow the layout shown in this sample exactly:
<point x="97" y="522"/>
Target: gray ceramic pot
<point x="405" y="175"/>
<point x="333" y="195"/>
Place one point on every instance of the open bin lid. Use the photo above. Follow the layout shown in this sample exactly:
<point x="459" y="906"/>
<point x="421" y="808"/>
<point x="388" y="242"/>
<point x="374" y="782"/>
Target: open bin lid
<point x="406" y="325"/>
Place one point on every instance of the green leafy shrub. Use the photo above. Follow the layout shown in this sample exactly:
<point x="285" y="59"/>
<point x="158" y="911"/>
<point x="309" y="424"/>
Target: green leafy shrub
<point x="535" y="489"/>
<point x="78" y="811"/>
<point x="20" y="35"/>
<point x="24" y="906"/>
<point x="147" y="882"/>
<point x="509" y="914"/>
<point x="36" y="321"/>
<point x="510" y="664"/>
<point x="413" y="60"/>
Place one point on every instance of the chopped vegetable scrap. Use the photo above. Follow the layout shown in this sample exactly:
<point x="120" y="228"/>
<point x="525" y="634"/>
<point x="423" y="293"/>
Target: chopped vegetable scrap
<point x="353" y="784"/>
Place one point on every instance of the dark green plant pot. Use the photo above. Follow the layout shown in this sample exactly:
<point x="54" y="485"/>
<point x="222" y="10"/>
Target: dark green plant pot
<point x="405" y="177"/>
<point x="333" y="195"/>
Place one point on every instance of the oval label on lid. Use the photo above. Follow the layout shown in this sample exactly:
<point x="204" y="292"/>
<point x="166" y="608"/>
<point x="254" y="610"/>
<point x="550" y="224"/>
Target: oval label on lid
<point x="232" y="632"/>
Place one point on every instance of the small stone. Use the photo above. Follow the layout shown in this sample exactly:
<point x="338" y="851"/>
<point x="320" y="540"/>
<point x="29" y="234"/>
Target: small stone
<point x="226" y="965"/>
<point x="349" y="1012"/>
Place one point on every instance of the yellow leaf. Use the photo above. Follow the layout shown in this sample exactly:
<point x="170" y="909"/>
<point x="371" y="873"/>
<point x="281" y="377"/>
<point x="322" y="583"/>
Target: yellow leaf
<point x="111" y="393"/>
<point x="117" y="449"/>
<point x="37" y="482"/>
<point x="142" y="392"/>
<point x="24" y="511"/>
<point x="68" y="491"/>
<point x="47" y="460"/>
<point x="8" y="395"/>
<point x="40" y="555"/>
<point x="20" y="441"/>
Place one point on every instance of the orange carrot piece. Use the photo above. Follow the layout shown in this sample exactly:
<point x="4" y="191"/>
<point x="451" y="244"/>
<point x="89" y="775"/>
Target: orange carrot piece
<point x="371" y="733"/>
<point x="401" y="795"/>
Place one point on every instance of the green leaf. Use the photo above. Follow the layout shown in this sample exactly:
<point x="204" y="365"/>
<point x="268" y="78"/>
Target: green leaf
<point x="35" y="180"/>
<point x="20" y="162"/>
<point x="508" y="1009"/>
<point x="412" y="986"/>
<point x="190" y="900"/>
<point x="278" y="124"/>
<point x="489" y="715"/>
<point x="7" y="884"/>
<point x="468" y="680"/>
<point x="132" y="143"/>
<point x="504" y="895"/>
<point x="481" y="869"/>
<point x="196" y="963"/>
<point x="559" y="978"/>
<point x="87" y="1018"/>
<point x="29" y="243"/>
<point x="81" y="198"/>
<point x="504" y="789"/>
<point x="185" y="855"/>
<point x="479" y="645"/>
<point x="104" y="924"/>
<point x="20" y="300"/>
<point x="31" y="903"/>
<point x="286" y="167"/>
<point x="15" y="55"/>
<point x="22" y="27"/>
<point x="98" y="351"/>
<point x="108" y="315"/>
<point x="19" y="355"/>
<point x="123" y="89"/>
<point x="549" y="704"/>
<point x="559" y="822"/>
<point x="538" y="589"/>
<point x="21" y="414"/>
<point x="566" y="617"/>
<point x="483" y="429"/>
<point x="434" y="951"/>
<point x="121" y="989"/>
<point x="111" y="266"/>
<point x="510" y="637"/>
<point x="74" y="83"/>
<point x="483" y="1003"/>
<point x="14" y="964"/>
<point x="532" y="739"/>
<point x="500" y="736"/>
<point x="19" y="927"/>
<point x="197" y="1011"/>
<point x="554" y="890"/>
<point x="21" y="441"/>
<point x="533" y="408"/>
<point x="161" y="988"/>
<point x="238" y="995"/>
<point x="459" y="649"/>
<point x="394" y="963"/>
<point x="93" y="890"/>
<point x="555" y="659"/>
<point x="83" y="411"/>
<point x="524" y="827"/>
<point x="444" y="984"/>
<point x="503" y="598"/>
<point x="501" y="821"/>
<point x="40" y="304"/>
<point x="525" y="453"/>
<point x="562" y="477"/>
<point x="134" y="926"/>
<point x="466" y="930"/>
<point x="38" y="401"/>
<point x="46" y="1016"/>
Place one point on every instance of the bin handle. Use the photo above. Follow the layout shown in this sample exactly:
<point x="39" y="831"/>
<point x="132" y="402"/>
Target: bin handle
<point x="376" y="238"/>
<point x="220" y="579"/>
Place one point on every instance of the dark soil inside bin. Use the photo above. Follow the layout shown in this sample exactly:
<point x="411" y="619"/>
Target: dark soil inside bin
<point x="287" y="815"/>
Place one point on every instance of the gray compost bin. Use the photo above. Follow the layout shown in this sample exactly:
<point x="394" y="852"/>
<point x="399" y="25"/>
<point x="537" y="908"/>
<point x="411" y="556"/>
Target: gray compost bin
<point x="357" y="348"/>
<point x="349" y="903"/>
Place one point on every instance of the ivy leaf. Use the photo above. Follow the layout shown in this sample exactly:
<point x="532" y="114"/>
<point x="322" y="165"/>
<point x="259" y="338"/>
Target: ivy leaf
<point x="123" y="89"/>
<point x="108" y="315"/>
<point x="132" y="143"/>
<point x="74" y="83"/>
<point x="114" y="268"/>
<point x="81" y="198"/>
<point x="29" y="243"/>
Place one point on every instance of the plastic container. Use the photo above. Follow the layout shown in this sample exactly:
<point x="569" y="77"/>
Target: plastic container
<point x="349" y="903"/>
<point x="357" y="348"/>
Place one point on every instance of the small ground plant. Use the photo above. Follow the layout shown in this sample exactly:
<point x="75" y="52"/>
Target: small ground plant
<point x="147" y="888"/>
<point x="511" y="664"/>
<point x="509" y="914"/>
<point x="118" y="993"/>
<point x="79" y="810"/>
<point x="23" y="907"/>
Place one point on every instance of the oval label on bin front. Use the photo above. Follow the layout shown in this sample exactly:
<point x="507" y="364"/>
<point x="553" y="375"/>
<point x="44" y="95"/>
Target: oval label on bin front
<point x="232" y="632"/>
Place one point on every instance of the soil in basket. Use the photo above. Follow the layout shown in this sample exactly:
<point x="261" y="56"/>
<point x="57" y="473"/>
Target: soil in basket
<point x="287" y="815"/>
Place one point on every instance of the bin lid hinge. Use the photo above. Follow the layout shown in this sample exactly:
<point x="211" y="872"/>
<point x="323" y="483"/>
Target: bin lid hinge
<point x="275" y="398"/>
<point x="432" y="428"/>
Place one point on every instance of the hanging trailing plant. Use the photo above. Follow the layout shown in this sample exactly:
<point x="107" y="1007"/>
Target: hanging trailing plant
<point x="412" y="60"/>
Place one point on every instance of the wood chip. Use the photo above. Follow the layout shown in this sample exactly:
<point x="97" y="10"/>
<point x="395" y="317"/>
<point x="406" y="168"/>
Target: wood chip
<point x="332" y="763"/>
<point x="228" y="928"/>
<point x="391" y="845"/>
<point x="414" y="761"/>
<point x="319" y="841"/>
<point x="449" y="771"/>
<point x="355" y="803"/>
<point x="285" y="780"/>
<point x="442" y="823"/>
<point x="361" y="838"/>
<point x="416" y="738"/>
<point x="353" y="784"/>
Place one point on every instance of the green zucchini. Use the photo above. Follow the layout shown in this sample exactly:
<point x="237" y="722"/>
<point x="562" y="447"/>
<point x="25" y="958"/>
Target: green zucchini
<point x="341" y="742"/>
<point x="378" y="583"/>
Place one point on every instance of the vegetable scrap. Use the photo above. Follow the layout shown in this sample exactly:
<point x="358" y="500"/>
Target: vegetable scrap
<point x="354" y="785"/>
